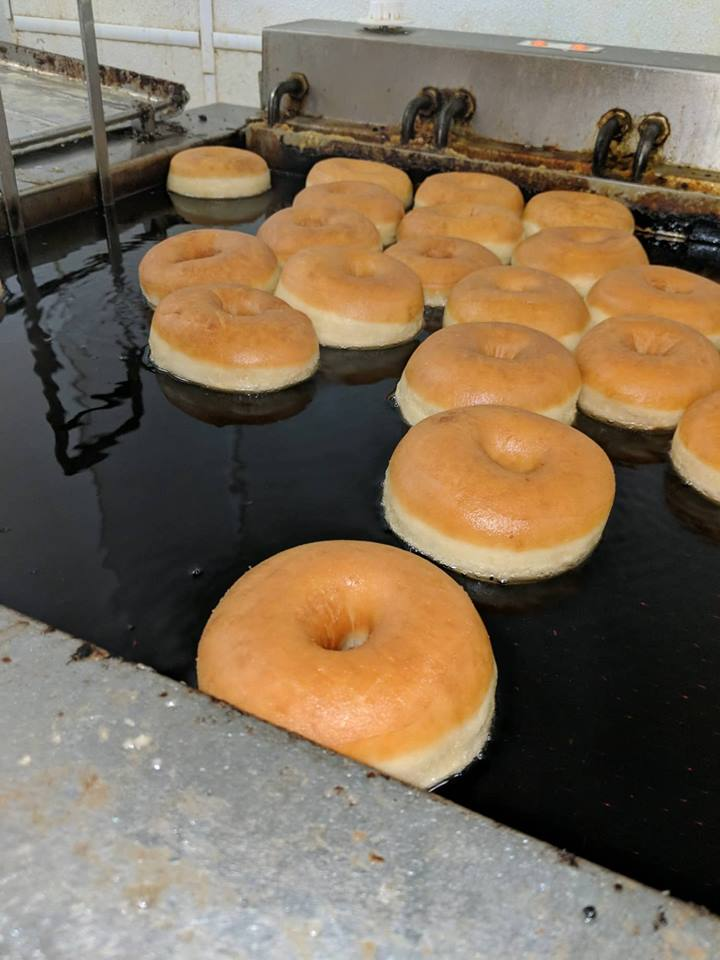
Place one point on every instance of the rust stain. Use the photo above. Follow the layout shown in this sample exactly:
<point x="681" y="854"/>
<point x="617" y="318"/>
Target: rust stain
<point x="359" y="835"/>
<point x="375" y="858"/>
<point x="93" y="791"/>
<point x="88" y="651"/>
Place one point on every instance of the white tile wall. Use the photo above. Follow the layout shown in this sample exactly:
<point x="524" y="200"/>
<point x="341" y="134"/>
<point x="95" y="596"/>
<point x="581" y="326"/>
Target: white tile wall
<point x="691" y="25"/>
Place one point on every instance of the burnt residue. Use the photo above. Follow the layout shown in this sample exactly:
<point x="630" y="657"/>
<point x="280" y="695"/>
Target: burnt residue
<point x="660" y="919"/>
<point x="174" y="94"/>
<point x="569" y="859"/>
<point x="668" y="192"/>
<point x="88" y="651"/>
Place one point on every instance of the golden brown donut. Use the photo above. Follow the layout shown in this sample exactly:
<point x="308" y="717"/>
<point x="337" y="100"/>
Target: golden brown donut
<point x="230" y="337"/>
<point x="355" y="298"/>
<point x="580" y="255"/>
<point x="214" y="172"/>
<point x="573" y="208"/>
<point x="196" y="257"/>
<point x="361" y="647"/>
<point x="493" y="227"/>
<point x="482" y="188"/>
<point x="660" y="291"/>
<point x="367" y="171"/>
<point x="376" y="203"/>
<point x="440" y="262"/>
<point x="642" y="372"/>
<point x="695" y="450"/>
<point x="293" y="229"/>
<point x="521" y="295"/>
<point x="499" y="493"/>
<point x="500" y="363"/>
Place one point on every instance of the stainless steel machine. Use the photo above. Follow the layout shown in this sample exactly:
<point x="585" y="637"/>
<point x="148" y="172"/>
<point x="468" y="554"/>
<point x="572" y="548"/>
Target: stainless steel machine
<point x="137" y="816"/>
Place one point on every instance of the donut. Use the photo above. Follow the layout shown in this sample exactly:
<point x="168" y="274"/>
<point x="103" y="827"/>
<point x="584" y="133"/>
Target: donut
<point x="440" y="262"/>
<point x="572" y="208"/>
<point x="642" y="372"/>
<point x="206" y="256"/>
<point x="376" y="203"/>
<point x="493" y="227"/>
<point x="580" y="255"/>
<point x="355" y="298"/>
<point x="482" y="188"/>
<point x="660" y="291"/>
<point x="297" y="228"/>
<point x="499" y="493"/>
<point x="364" y="648"/>
<point x="213" y="172"/>
<point x="695" y="450"/>
<point x="366" y="171"/>
<point x="531" y="298"/>
<point x="497" y="363"/>
<point x="230" y="337"/>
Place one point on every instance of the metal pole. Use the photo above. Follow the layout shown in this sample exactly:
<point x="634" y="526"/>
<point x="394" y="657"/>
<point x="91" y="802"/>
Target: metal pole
<point x="10" y="192"/>
<point x="97" y="117"/>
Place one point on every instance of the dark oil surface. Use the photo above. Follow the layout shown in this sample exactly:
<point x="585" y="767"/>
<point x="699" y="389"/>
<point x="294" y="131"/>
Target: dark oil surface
<point x="129" y="503"/>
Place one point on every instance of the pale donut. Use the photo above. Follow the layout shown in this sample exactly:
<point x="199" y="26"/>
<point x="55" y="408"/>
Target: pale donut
<point x="355" y="298"/>
<point x="367" y="171"/>
<point x="218" y="172"/>
<point x="483" y="188"/>
<point x="440" y="262"/>
<point x="495" y="228"/>
<point x="642" y="372"/>
<point x="580" y="255"/>
<point x="498" y="363"/>
<point x="376" y="203"/>
<point x="695" y="450"/>
<point x="231" y="337"/>
<point x="293" y="229"/>
<point x="363" y="648"/>
<point x="499" y="493"/>
<point x="521" y="295"/>
<point x="197" y="257"/>
<point x="661" y="291"/>
<point x="572" y="208"/>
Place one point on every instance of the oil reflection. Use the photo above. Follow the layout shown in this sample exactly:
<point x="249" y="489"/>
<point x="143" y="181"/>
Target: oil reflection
<point x="626" y="446"/>
<point x="691" y="507"/>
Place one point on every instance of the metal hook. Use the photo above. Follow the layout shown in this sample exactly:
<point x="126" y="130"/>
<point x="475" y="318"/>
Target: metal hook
<point x="613" y="125"/>
<point x="653" y="130"/>
<point x="459" y="106"/>
<point x="425" y="104"/>
<point x="295" y="87"/>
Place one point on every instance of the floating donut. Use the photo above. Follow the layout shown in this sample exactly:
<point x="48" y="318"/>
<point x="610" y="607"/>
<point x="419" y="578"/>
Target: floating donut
<point x="376" y="203"/>
<point x="499" y="493"/>
<point x="218" y="172"/>
<point x="498" y="363"/>
<point x="520" y="295"/>
<point x="572" y="208"/>
<point x="493" y="227"/>
<point x="367" y="171"/>
<point x="580" y="255"/>
<point x="297" y="228"/>
<point x="230" y="337"/>
<point x="372" y="652"/>
<point x="197" y="257"/>
<point x="440" y="262"/>
<point x="695" y="450"/>
<point x="355" y="298"/>
<point x="482" y="188"/>
<point x="660" y="291"/>
<point x="642" y="372"/>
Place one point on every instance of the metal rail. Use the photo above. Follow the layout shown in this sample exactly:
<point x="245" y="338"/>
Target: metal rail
<point x="97" y="116"/>
<point x="10" y="192"/>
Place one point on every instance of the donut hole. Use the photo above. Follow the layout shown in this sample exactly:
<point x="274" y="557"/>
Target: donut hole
<point x="667" y="285"/>
<point x="513" y="454"/>
<point x="651" y="343"/>
<point x="203" y="251"/>
<point x="339" y="640"/>
<point x="362" y="268"/>
<point x="500" y="351"/>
